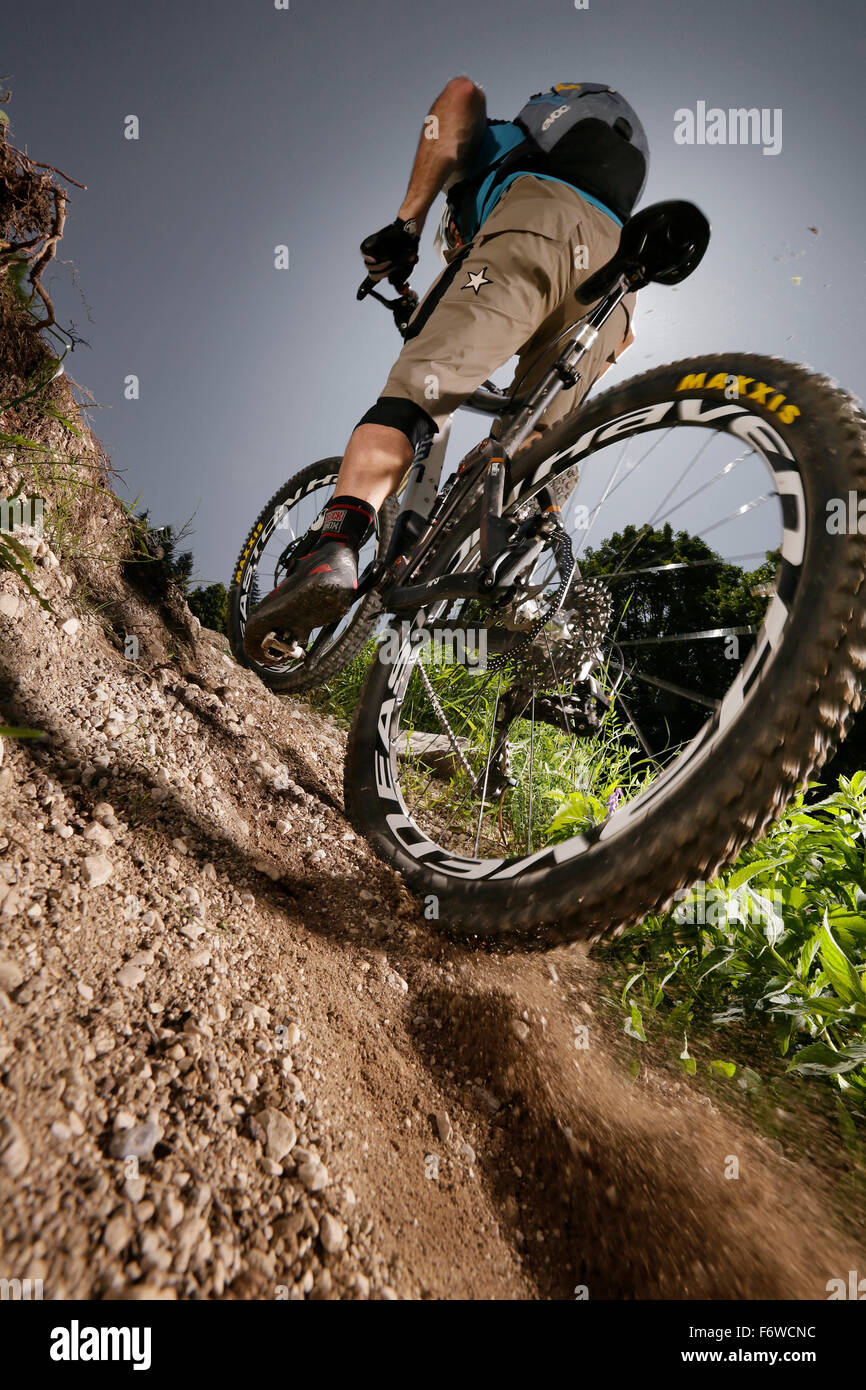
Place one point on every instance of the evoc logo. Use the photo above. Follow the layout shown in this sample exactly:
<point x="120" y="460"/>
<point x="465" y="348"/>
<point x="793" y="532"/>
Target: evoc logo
<point x="560" y="111"/>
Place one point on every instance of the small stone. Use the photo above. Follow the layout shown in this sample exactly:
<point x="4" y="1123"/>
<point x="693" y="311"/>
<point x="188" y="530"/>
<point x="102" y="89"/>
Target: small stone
<point x="172" y="1211"/>
<point x="443" y="1126"/>
<point x="331" y="1233"/>
<point x="85" y="991"/>
<point x="117" y="1234"/>
<point x="138" y="1142"/>
<point x="314" y="1175"/>
<point x="103" y="812"/>
<point x="97" y="870"/>
<point x="8" y="605"/>
<point x="14" y="1149"/>
<point x="278" y="1133"/>
<point x="141" y="958"/>
<point x="100" y="835"/>
<point x="70" y="627"/>
<point x="11" y="974"/>
<point x="129" y="976"/>
<point x="520" y="1029"/>
<point x="490" y="1102"/>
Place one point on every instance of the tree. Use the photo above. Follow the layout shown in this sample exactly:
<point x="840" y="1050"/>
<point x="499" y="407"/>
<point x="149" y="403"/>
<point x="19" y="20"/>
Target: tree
<point x="210" y="605"/>
<point x="156" y="562"/>
<point x="667" y="587"/>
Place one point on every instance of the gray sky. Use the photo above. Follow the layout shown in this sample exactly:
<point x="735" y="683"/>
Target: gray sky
<point x="262" y="126"/>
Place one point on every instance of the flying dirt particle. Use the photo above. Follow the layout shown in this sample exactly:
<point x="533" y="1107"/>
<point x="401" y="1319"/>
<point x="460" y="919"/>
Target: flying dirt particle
<point x="813" y="230"/>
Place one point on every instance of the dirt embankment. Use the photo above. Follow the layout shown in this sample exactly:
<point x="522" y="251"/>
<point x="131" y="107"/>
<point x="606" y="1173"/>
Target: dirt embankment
<point x="237" y="1062"/>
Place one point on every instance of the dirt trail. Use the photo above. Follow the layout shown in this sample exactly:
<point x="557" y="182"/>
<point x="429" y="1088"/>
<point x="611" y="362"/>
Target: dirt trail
<point x="236" y="1061"/>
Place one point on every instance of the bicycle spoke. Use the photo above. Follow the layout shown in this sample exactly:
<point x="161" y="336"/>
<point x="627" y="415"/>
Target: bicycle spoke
<point x="487" y="766"/>
<point x="692" y="695"/>
<point x="688" y="636"/>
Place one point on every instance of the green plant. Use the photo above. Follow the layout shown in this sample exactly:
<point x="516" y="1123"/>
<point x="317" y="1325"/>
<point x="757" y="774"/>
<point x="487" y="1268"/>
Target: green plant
<point x="780" y="939"/>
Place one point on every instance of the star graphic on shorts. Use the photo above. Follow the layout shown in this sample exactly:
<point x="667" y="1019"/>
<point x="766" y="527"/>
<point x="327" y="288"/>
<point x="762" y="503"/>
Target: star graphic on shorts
<point x="476" y="280"/>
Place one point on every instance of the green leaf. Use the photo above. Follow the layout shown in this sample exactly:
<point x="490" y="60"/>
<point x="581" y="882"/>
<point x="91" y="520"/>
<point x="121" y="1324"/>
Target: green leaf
<point x="723" y="1068"/>
<point x="819" y="1059"/>
<point x="10" y="731"/>
<point x="632" y="980"/>
<point x="634" y="1025"/>
<point x="711" y="962"/>
<point x="758" y="866"/>
<point x="841" y="973"/>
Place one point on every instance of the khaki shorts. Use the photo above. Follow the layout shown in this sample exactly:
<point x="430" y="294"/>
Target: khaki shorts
<point x="511" y="290"/>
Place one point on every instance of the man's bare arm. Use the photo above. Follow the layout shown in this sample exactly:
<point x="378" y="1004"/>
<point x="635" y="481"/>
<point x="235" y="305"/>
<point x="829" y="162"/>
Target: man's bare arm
<point x="447" y="144"/>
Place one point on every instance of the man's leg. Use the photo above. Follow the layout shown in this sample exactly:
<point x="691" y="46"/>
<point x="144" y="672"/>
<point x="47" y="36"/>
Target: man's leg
<point x="373" y="465"/>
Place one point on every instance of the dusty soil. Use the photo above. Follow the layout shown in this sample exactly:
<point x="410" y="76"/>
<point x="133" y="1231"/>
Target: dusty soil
<point x="237" y="1062"/>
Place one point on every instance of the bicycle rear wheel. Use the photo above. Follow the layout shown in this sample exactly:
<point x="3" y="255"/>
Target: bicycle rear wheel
<point x="704" y="662"/>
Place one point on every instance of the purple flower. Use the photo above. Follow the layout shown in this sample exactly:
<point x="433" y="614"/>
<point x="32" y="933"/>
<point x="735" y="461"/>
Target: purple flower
<point x="614" y="799"/>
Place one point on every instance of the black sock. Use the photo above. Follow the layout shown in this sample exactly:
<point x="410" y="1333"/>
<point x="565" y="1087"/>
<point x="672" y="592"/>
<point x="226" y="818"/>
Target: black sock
<point x="348" y="521"/>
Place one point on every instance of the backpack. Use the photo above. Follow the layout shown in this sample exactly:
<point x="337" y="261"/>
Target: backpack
<point x="587" y="134"/>
<point x="581" y="132"/>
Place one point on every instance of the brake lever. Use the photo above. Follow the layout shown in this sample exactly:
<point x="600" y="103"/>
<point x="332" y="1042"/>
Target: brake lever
<point x="402" y="308"/>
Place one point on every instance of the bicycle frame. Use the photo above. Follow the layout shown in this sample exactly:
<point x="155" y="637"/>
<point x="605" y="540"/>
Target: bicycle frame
<point x="424" y="511"/>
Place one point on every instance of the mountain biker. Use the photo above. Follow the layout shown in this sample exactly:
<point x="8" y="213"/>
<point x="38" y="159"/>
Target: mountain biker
<point x="520" y="232"/>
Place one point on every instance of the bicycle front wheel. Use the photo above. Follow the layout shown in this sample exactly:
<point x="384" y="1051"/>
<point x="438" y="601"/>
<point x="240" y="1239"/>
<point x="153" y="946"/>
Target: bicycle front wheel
<point x="704" y="660"/>
<point x="262" y="565"/>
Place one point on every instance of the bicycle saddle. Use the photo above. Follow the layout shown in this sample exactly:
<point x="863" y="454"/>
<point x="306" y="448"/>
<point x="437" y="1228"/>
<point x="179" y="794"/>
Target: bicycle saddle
<point x="663" y="243"/>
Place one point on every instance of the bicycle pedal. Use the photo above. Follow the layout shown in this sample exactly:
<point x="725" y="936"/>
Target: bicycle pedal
<point x="281" y="648"/>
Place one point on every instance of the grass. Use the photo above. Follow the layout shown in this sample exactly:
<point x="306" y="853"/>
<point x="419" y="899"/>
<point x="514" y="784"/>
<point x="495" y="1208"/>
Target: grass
<point x="778" y="941"/>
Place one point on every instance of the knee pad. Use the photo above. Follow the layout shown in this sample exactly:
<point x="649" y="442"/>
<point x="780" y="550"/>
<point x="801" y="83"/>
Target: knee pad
<point x="404" y="415"/>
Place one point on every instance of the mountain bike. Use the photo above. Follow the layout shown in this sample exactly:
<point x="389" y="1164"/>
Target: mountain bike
<point x="607" y="659"/>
